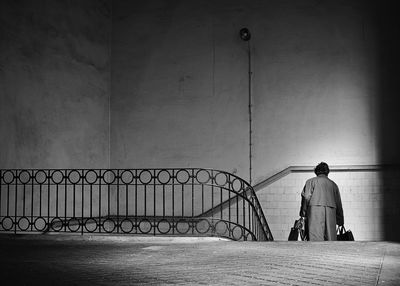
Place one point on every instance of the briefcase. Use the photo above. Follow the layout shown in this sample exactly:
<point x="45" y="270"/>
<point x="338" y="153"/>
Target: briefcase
<point x="296" y="230"/>
<point x="294" y="234"/>
<point x="344" y="235"/>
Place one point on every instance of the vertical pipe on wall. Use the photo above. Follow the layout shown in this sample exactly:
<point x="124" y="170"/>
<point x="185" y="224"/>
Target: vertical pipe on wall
<point x="250" y="116"/>
<point x="245" y="36"/>
<point x="110" y="85"/>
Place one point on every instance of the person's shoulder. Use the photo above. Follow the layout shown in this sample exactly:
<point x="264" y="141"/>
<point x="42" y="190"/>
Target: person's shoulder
<point x="311" y="180"/>
<point x="333" y="183"/>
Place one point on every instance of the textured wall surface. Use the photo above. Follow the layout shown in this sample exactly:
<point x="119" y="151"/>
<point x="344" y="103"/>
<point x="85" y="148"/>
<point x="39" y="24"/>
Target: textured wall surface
<point x="54" y="84"/>
<point x="179" y="84"/>
<point x="179" y="93"/>
<point x="315" y="85"/>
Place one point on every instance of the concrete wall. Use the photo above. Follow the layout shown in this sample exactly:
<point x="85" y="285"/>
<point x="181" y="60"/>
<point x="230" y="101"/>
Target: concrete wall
<point x="174" y="93"/>
<point x="323" y="89"/>
<point x="54" y="84"/>
<point x="314" y="85"/>
<point x="179" y="84"/>
<point x="179" y="93"/>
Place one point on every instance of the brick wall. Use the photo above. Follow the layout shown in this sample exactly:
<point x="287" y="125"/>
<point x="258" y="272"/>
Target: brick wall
<point x="362" y="197"/>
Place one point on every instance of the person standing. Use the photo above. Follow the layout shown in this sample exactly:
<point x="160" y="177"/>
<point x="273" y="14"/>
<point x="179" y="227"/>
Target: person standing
<point x="321" y="205"/>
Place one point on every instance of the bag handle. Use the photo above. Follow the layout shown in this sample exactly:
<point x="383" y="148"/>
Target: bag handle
<point x="341" y="229"/>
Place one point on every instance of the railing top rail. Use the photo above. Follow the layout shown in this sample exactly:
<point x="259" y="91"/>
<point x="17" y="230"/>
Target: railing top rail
<point x="119" y="169"/>
<point x="127" y="169"/>
<point x="306" y="169"/>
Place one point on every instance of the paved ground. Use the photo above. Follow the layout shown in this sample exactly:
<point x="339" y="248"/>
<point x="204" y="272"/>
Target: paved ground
<point x="113" y="260"/>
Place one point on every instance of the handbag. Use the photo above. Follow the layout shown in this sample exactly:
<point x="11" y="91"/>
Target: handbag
<point x="344" y="235"/>
<point x="296" y="230"/>
<point x="294" y="234"/>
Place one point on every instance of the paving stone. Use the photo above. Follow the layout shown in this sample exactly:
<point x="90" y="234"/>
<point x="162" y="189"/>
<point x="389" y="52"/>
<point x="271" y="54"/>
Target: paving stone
<point x="112" y="260"/>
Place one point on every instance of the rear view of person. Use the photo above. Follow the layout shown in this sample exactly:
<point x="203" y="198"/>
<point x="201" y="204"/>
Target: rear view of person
<point x="321" y="205"/>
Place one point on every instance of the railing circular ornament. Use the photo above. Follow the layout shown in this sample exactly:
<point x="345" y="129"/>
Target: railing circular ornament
<point x="24" y="177"/>
<point x="221" y="179"/>
<point x="182" y="226"/>
<point x="109" y="225"/>
<point x="203" y="176"/>
<point x="145" y="177"/>
<point x="237" y="185"/>
<point x="145" y="226"/>
<point x="163" y="177"/>
<point x="74" y="177"/>
<point x="182" y="176"/>
<point x="237" y="232"/>
<point x="91" y="177"/>
<point x="163" y="226"/>
<point x="40" y="177"/>
<point x="57" y="177"/>
<point x="127" y="177"/>
<point x="221" y="228"/>
<point x="8" y="177"/>
<point x="40" y="224"/>
<point x="203" y="226"/>
<point x="7" y="223"/>
<point x="23" y="223"/>
<point x="57" y="224"/>
<point x="73" y="224"/>
<point x="250" y="236"/>
<point x="126" y="225"/>
<point x="109" y="177"/>
<point x="90" y="224"/>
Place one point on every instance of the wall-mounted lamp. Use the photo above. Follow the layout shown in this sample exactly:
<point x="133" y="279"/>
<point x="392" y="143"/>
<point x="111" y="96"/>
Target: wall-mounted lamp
<point x="245" y="34"/>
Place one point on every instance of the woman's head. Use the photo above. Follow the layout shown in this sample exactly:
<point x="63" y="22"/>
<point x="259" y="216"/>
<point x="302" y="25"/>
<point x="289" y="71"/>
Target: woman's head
<point x="322" y="169"/>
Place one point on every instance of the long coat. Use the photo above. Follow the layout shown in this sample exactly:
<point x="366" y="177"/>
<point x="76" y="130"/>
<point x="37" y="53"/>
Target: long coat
<point x="322" y="206"/>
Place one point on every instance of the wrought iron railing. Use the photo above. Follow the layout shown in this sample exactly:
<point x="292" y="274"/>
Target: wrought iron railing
<point x="132" y="201"/>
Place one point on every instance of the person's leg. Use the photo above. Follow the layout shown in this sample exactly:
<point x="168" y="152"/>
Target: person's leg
<point x="316" y="223"/>
<point x="330" y="220"/>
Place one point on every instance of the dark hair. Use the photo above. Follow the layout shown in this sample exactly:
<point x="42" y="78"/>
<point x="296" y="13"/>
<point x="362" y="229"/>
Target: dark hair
<point x="322" y="168"/>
